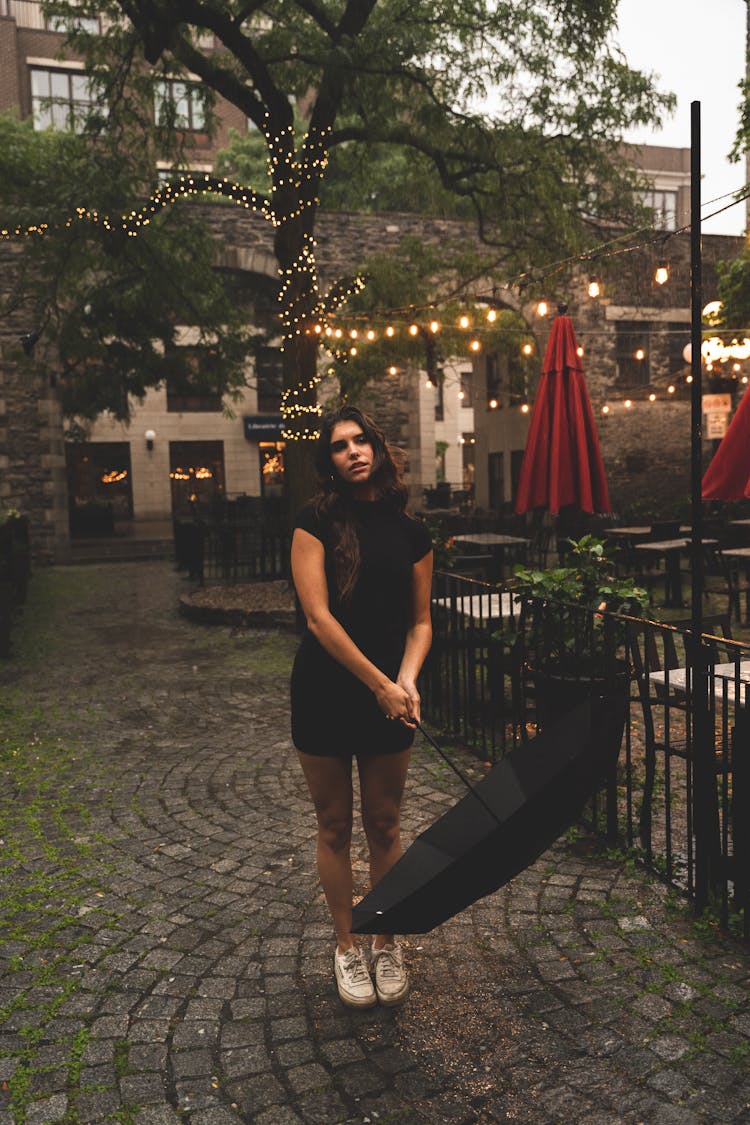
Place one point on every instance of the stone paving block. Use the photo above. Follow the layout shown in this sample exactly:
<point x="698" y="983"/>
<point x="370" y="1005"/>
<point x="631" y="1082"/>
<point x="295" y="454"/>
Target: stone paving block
<point x="99" y="1106"/>
<point x="143" y="1089"/>
<point x="255" y="1093"/>
<point x="47" y="1111"/>
<point x="245" y="1060"/>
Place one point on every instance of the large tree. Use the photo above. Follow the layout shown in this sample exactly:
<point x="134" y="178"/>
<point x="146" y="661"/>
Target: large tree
<point x="111" y="304"/>
<point x="516" y="106"/>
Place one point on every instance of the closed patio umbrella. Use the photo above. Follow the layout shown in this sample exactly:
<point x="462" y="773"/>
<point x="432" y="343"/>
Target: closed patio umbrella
<point x="728" y="475"/>
<point x="562" y="462"/>
<point x="516" y="812"/>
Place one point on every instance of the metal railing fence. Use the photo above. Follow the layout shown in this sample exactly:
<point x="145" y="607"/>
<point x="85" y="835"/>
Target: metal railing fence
<point x="245" y="539"/>
<point x="501" y="668"/>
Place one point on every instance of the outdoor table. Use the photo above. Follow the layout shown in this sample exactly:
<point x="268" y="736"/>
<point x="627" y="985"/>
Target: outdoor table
<point x="630" y="533"/>
<point x="483" y="607"/>
<point x="671" y="549"/>
<point x="743" y="526"/>
<point x="495" y="544"/>
<point x="742" y="554"/>
<point x="724" y="679"/>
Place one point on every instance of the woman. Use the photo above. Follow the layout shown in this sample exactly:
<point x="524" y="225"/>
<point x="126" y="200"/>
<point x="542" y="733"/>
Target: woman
<point x="362" y="569"/>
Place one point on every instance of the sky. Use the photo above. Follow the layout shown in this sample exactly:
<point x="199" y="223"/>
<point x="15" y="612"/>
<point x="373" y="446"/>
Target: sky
<point x="698" y="52"/>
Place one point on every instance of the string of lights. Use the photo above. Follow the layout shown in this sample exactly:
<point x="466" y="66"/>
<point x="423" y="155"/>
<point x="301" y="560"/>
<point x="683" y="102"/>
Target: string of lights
<point x="304" y="310"/>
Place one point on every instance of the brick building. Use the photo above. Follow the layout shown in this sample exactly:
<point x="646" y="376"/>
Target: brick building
<point x="452" y="431"/>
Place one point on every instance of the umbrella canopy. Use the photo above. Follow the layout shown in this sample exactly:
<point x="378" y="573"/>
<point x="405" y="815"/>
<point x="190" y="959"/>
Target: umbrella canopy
<point x="728" y="475"/>
<point x="520" y="808"/>
<point x="562" y="462"/>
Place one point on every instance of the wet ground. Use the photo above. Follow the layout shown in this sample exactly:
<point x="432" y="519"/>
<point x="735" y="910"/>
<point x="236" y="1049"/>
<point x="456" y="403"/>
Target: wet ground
<point x="165" y="951"/>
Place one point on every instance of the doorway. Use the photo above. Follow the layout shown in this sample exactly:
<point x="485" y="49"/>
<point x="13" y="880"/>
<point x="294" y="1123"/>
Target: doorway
<point x="100" y="487"/>
<point x="196" y="474"/>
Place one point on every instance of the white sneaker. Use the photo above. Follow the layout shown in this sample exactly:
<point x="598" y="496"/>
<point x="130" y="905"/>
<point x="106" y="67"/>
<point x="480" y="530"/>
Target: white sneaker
<point x="353" y="979"/>
<point x="391" y="981"/>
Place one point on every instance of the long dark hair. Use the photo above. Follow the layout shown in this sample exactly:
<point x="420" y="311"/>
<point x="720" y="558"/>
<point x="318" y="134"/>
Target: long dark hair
<point x="334" y="494"/>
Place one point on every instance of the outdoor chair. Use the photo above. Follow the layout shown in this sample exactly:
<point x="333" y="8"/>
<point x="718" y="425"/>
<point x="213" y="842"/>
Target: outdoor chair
<point x="653" y="649"/>
<point x="665" y="529"/>
<point x="473" y="566"/>
<point x="729" y="578"/>
<point x="666" y="713"/>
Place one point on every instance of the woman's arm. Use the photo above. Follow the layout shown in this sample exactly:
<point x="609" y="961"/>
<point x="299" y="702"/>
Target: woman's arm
<point x="308" y="573"/>
<point x="419" y="636"/>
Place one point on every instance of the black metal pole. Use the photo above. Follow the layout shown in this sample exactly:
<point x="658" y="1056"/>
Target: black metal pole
<point x="705" y="797"/>
<point x="696" y="339"/>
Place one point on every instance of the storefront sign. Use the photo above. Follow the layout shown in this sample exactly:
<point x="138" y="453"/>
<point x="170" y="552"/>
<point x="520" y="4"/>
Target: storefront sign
<point x="716" y="426"/>
<point x="716" y="404"/>
<point x="262" y="427"/>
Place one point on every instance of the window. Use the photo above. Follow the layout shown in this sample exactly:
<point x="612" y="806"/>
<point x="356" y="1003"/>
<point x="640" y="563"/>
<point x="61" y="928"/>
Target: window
<point x="664" y="206"/>
<point x="466" y="389"/>
<point x="190" y="391"/>
<point x="632" y="353"/>
<point x="269" y="375"/>
<point x="63" y="99"/>
<point x="495" y="367"/>
<point x="678" y="337"/>
<point x="180" y="105"/>
<point x="69" y="22"/>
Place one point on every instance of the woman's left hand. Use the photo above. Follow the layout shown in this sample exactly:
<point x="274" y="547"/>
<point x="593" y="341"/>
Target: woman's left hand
<point x="414" y="703"/>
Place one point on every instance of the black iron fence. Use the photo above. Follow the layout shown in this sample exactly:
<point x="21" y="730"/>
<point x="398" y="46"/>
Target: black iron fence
<point x="242" y="539"/>
<point x="15" y="570"/>
<point x="501" y="669"/>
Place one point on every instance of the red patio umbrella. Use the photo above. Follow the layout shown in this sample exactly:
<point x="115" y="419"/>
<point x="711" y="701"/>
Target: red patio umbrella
<point x="562" y="463"/>
<point x="728" y="475"/>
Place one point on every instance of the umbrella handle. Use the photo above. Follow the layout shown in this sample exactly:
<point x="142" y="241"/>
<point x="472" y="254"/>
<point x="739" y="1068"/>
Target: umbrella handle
<point x="474" y="792"/>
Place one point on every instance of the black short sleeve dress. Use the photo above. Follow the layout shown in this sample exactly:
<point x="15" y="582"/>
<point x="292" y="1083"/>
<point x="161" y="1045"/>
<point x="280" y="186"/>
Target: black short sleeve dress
<point x="333" y="713"/>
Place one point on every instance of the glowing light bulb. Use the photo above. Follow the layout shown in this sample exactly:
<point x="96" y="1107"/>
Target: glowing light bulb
<point x="475" y="345"/>
<point x="390" y="330"/>
<point x="370" y="334"/>
<point x="463" y="322"/>
<point x="628" y="403"/>
<point x="524" y="408"/>
<point x="353" y="333"/>
<point x="605" y="409"/>
<point x="542" y="308"/>
<point x="652" y="397"/>
<point x="493" y="404"/>
<point x="413" y="330"/>
<point x="640" y="354"/>
<point x="670" y="389"/>
<point x="689" y="379"/>
<point x="662" y="273"/>
<point x="492" y="315"/>
<point x="579" y="351"/>
<point x="428" y="383"/>
<point x="352" y="351"/>
<point x="393" y="371"/>
<point x="527" y="349"/>
<point x="594" y="289"/>
<point x="462" y="395"/>
<point x="434" y="326"/>
<point x="317" y="329"/>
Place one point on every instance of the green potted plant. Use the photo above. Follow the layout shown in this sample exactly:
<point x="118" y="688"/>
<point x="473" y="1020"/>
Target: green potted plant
<point x="566" y="639"/>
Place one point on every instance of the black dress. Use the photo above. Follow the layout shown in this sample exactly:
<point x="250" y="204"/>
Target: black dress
<point x="333" y="713"/>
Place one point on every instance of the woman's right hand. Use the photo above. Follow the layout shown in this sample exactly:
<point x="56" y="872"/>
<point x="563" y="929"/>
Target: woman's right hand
<point x="393" y="701"/>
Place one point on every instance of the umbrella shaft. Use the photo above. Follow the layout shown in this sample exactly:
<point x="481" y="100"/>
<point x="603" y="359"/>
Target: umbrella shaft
<point x="462" y="776"/>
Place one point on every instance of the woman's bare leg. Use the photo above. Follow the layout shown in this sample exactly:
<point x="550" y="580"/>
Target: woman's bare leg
<point x="330" y="783"/>
<point x="381" y="786"/>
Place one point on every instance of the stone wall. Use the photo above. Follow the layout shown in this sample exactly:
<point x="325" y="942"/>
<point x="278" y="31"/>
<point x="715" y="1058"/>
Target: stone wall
<point x="646" y="451"/>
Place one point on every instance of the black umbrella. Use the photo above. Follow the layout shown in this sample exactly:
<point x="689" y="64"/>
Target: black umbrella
<point x="514" y="814"/>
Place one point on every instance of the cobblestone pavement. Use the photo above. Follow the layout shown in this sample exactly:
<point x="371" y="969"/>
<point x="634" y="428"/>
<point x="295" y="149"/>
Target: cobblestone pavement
<point x="165" y="952"/>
